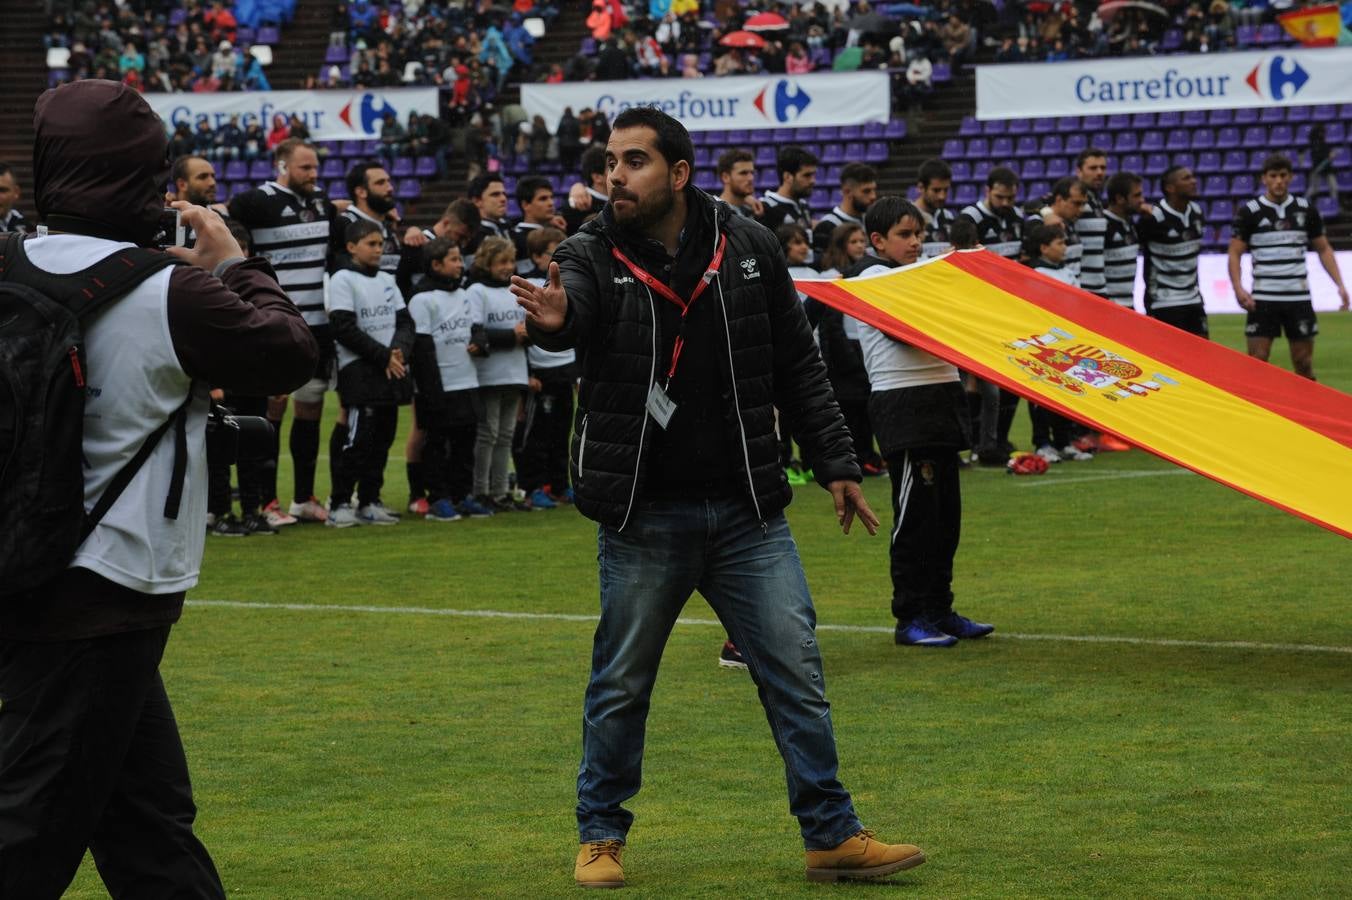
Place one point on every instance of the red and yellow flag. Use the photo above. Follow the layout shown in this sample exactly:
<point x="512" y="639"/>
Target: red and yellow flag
<point x="1253" y="426"/>
<point x="1316" y="26"/>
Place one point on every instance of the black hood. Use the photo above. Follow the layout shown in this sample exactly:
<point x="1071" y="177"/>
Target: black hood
<point x="99" y="155"/>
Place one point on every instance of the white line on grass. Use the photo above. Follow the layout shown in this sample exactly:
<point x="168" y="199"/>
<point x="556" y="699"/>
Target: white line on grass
<point x="1081" y="479"/>
<point x="853" y="629"/>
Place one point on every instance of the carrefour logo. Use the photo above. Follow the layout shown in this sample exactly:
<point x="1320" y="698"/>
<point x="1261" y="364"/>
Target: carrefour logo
<point x="1282" y="80"/>
<point x="785" y="100"/>
<point x="368" y="111"/>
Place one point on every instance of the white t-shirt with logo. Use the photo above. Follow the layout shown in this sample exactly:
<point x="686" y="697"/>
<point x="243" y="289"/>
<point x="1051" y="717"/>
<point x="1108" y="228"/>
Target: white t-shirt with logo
<point x="447" y="317"/>
<point x="374" y="299"/>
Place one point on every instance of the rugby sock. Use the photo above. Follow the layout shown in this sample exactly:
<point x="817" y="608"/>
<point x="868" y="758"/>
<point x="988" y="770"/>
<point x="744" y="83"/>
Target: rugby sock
<point x="268" y="467"/>
<point x="417" y="488"/>
<point x="304" y="453"/>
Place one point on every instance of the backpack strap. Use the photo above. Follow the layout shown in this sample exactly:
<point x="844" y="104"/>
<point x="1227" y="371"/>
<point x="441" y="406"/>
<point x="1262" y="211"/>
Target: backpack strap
<point x="89" y="290"/>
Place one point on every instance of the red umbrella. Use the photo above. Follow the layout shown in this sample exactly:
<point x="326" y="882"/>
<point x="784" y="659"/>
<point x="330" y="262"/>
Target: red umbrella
<point x="745" y="40"/>
<point x="766" y="22"/>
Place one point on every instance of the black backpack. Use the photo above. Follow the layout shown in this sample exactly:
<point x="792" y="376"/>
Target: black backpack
<point x="42" y="396"/>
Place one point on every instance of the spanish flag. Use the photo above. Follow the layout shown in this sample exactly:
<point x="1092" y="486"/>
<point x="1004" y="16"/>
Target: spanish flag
<point x="1260" y="429"/>
<point x="1317" y="26"/>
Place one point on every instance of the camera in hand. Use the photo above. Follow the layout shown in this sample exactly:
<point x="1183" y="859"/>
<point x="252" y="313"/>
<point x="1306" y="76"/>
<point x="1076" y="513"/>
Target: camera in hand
<point x="231" y="438"/>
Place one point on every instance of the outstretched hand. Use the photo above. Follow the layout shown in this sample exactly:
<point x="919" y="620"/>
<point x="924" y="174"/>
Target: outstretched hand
<point x="850" y="502"/>
<point x="546" y="306"/>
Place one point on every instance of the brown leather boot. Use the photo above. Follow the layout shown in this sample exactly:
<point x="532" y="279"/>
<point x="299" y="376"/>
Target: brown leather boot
<point x="861" y="858"/>
<point x="598" y="865"/>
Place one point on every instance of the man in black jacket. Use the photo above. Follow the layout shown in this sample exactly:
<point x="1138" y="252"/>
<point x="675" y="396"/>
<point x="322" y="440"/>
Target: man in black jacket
<point x="690" y="334"/>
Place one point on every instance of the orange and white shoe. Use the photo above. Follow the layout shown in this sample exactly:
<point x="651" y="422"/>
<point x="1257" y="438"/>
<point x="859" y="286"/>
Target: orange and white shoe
<point x="309" y="511"/>
<point x="276" y="518"/>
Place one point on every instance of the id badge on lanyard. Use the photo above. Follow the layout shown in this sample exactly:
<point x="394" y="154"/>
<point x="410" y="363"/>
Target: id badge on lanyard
<point x="659" y="405"/>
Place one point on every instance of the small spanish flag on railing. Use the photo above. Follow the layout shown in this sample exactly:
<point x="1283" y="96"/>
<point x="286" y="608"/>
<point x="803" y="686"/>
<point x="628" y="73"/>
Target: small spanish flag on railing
<point x="1255" y="427"/>
<point x="1317" y="26"/>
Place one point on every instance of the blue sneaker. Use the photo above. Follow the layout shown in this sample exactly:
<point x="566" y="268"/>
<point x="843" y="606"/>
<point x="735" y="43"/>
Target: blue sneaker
<point x="565" y="497"/>
<point x="963" y="627"/>
<point x="474" y="509"/>
<point x="541" y="500"/>
<point x="920" y="633"/>
<point x="442" y="511"/>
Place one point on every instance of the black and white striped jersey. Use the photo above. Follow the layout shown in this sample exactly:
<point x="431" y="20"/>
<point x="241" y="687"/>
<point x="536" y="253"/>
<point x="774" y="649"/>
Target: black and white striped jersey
<point x="1171" y="241"/>
<point x="937" y="225"/>
<point x="338" y="255"/>
<point x="1278" y="236"/>
<point x="827" y="225"/>
<point x="293" y="235"/>
<point x="1120" y="249"/>
<point x="999" y="232"/>
<point x="1092" y="225"/>
<point x="1074" y="261"/>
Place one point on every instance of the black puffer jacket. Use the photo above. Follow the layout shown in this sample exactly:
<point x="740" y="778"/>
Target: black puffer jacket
<point x="766" y="354"/>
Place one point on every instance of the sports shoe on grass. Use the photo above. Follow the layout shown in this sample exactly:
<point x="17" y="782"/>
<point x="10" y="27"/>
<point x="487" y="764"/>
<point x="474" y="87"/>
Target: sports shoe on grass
<point x="540" y="499"/>
<point x="257" y="523"/>
<point x="962" y="627"/>
<point x="920" y="633"/>
<point x="1108" y="443"/>
<point x="228" y="526"/>
<point x="375" y="514"/>
<point x="380" y="505"/>
<point x="1050" y="454"/>
<point x="442" y="511"/>
<point x="419" y="507"/>
<point x="861" y="858"/>
<point x="276" y="516"/>
<point x="473" y="508"/>
<point x="795" y="476"/>
<point x="342" y="516"/>
<point x="730" y="657"/>
<point x="309" y="511"/>
<point x="1069" y="452"/>
<point x="598" y="865"/>
<point x="565" y="497"/>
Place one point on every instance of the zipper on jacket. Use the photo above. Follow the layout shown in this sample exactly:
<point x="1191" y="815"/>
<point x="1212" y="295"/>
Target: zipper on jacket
<point x="643" y="429"/>
<point x="582" y="442"/>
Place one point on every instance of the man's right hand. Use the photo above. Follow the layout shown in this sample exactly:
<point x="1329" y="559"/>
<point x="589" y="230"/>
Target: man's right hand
<point x="1245" y="299"/>
<point x="215" y="243"/>
<point x="546" y="307"/>
<point x="414" y="237"/>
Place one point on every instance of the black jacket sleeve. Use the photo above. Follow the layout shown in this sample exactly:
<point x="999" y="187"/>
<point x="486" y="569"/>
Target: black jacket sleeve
<point x="403" y="334"/>
<point x="426" y="374"/>
<point x="347" y="332"/>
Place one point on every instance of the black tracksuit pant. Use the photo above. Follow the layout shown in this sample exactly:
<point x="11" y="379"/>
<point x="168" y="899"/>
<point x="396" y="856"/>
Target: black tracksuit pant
<point x="251" y="472"/>
<point x="927" y="522"/>
<point x="359" y="450"/>
<point x="90" y="757"/>
<point x="543" y="457"/>
<point x="1049" y="427"/>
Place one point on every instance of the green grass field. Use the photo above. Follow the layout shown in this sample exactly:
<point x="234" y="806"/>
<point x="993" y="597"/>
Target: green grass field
<point x="399" y="748"/>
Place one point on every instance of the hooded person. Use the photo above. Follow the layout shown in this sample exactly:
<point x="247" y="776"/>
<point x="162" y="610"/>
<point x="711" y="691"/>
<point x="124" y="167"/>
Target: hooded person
<point x="88" y="741"/>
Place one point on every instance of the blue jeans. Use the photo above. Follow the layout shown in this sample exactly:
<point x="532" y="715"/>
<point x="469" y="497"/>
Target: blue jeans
<point x="753" y="579"/>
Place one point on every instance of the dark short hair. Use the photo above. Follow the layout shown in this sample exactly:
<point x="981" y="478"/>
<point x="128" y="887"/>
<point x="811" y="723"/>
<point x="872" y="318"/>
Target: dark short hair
<point x="6" y="169"/>
<point x="479" y="183"/>
<point x="592" y="162"/>
<point x="465" y="211"/>
<point x="933" y="169"/>
<point x="357" y="177"/>
<point x="858" y="173"/>
<point x="1169" y="174"/>
<point x="1276" y="162"/>
<point x="436" y="249"/>
<point x="528" y="187"/>
<point x="1039" y="235"/>
<point x="963" y="235"/>
<point x="359" y="229"/>
<point x="1063" y="187"/>
<point x="790" y="232"/>
<point x="731" y="157"/>
<point x="1089" y="153"/>
<point x="539" y="239"/>
<point x="179" y="169"/>
<point x="673" y="141"/>
<point x="240" y="233"/>
<point x="888" y="211"/>
<point x="1121" y="185"/>
<point x="791" y="160"/>
<point x="1004" y="176"/>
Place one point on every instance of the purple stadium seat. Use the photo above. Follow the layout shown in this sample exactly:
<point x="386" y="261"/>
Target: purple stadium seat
<point x="1242" y="186"/>
<point x="268" y="35"/>
<point x="1336" y="132"/>
<point x="1155" y="164"/>
<point x="1092" y="123"/>
<point x="337" y="190"/>
<point x="335" y="56"/>
<point x="1341" y="156"/>
<point x="851" y="132"/>
<point x="1298" y="184"/>
<point x="513" y="208"/>
<point x="244" y="35"/>
<point x="1227" y="137"/>
<point x="874" y="131"/>
<point x="993" y="127"/>
<point x="1125" y="142"/>
<point x="352" y="149"/>
<point x="236" y="170"/>
<point x="408" y="189"/>
<point x="1142" y="121"/>
<point x="767" y="179"/>
<point x="425" y="167"/>
<point x="260" y="170"/>
<point x="895" y="130"/>
<point x="1194" y="118"/>
<point x="1303" y="134"/>
<point x="825" y="133"/>
<point x="1169" y="120"/>
<point x="1269" y="33"/>
<point x="1034" y="168"/>
<point x="981" y="169"/>
<point x="1020" y="126"/>
<point x="1002" y="146"/>
<point x="804" y="134"/>
<point x="706" y="180"/>
<point x="765" y="155"/>
<point x="1220" y="117"/>
<point x="1043" y="125"/>
<point x="1272" y="115"/>
<point x="1039" y="188"/>
<point x="1234" y="162"/>
<point x="1068" y="124"/>
<point x="953" y="148"/>
<point x="942" y="73"/>
<point x="1215" y="186"/>
<point x="821" y="58"/>
<point x="1345" y="112"/>
<point x="964" y="195"/>
<point x="1326" y="206"/>
<point x="962" y="170"/>
<point x="875" y="151"/>
<point x="1027" y="145"/>
<point x="1185" y="159"/>
<point x="701" y="156"/>
<point x="820" y="199"/>
<point x="1245" y="36"/>
<point x="332" y="168"/>
<point x="588" y="46"/>
<point x="1299" y="113"/>
<point x="1119" y="122"/>
<point x="1076" y="142"/>
<point x="978" y="148"/>
<point x="1203" y="139"/>
<point x="1209" y="161"/>
<point x="1256" y="158"/>
<point x="402" y="168"/>
<point x="370" y="148"/>
<point x="1178" y="139"/>
<point x="1058" y="167"/>
<point x="1281" y="136"/>
<point x="1101" y="139"/>
<point x="852" y="152"/>
<point x="1172" y="41"/>
<point x="1132" y="162"/>
<point x="177" y="16"/>
<point x="829" y="174"/>
<point x="1152" y="141"/>
<point x="1246" y="116"/>
<point x="834" y="153"/>
<point x="1255" y="136"/>
<point x="1052" y="144"/>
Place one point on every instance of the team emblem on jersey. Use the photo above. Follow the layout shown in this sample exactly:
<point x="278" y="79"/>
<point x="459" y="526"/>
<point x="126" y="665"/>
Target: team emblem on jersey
<point x="1300" y="220"/>
<point x="1081" y="369"/>
<point x="307" y="215"/>
<point x="750" y="268"/>
<point x="927" y="472"/>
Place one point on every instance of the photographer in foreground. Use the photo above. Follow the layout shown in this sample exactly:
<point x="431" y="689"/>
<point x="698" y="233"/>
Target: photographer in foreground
<point x="90" y="755"/>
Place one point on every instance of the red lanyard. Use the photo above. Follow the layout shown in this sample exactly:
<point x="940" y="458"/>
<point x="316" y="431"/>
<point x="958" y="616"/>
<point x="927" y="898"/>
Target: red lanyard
<point x="654" y="285"/>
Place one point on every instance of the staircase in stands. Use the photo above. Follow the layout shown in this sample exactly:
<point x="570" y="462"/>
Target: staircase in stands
<point x="24" y="77"/>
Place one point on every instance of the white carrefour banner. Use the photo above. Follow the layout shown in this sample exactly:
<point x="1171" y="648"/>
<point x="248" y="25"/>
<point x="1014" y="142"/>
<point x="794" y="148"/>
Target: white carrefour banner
<point x="1294" y="77"/>
<point x="705" y="104"/>
<point x="330" y="115"/>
